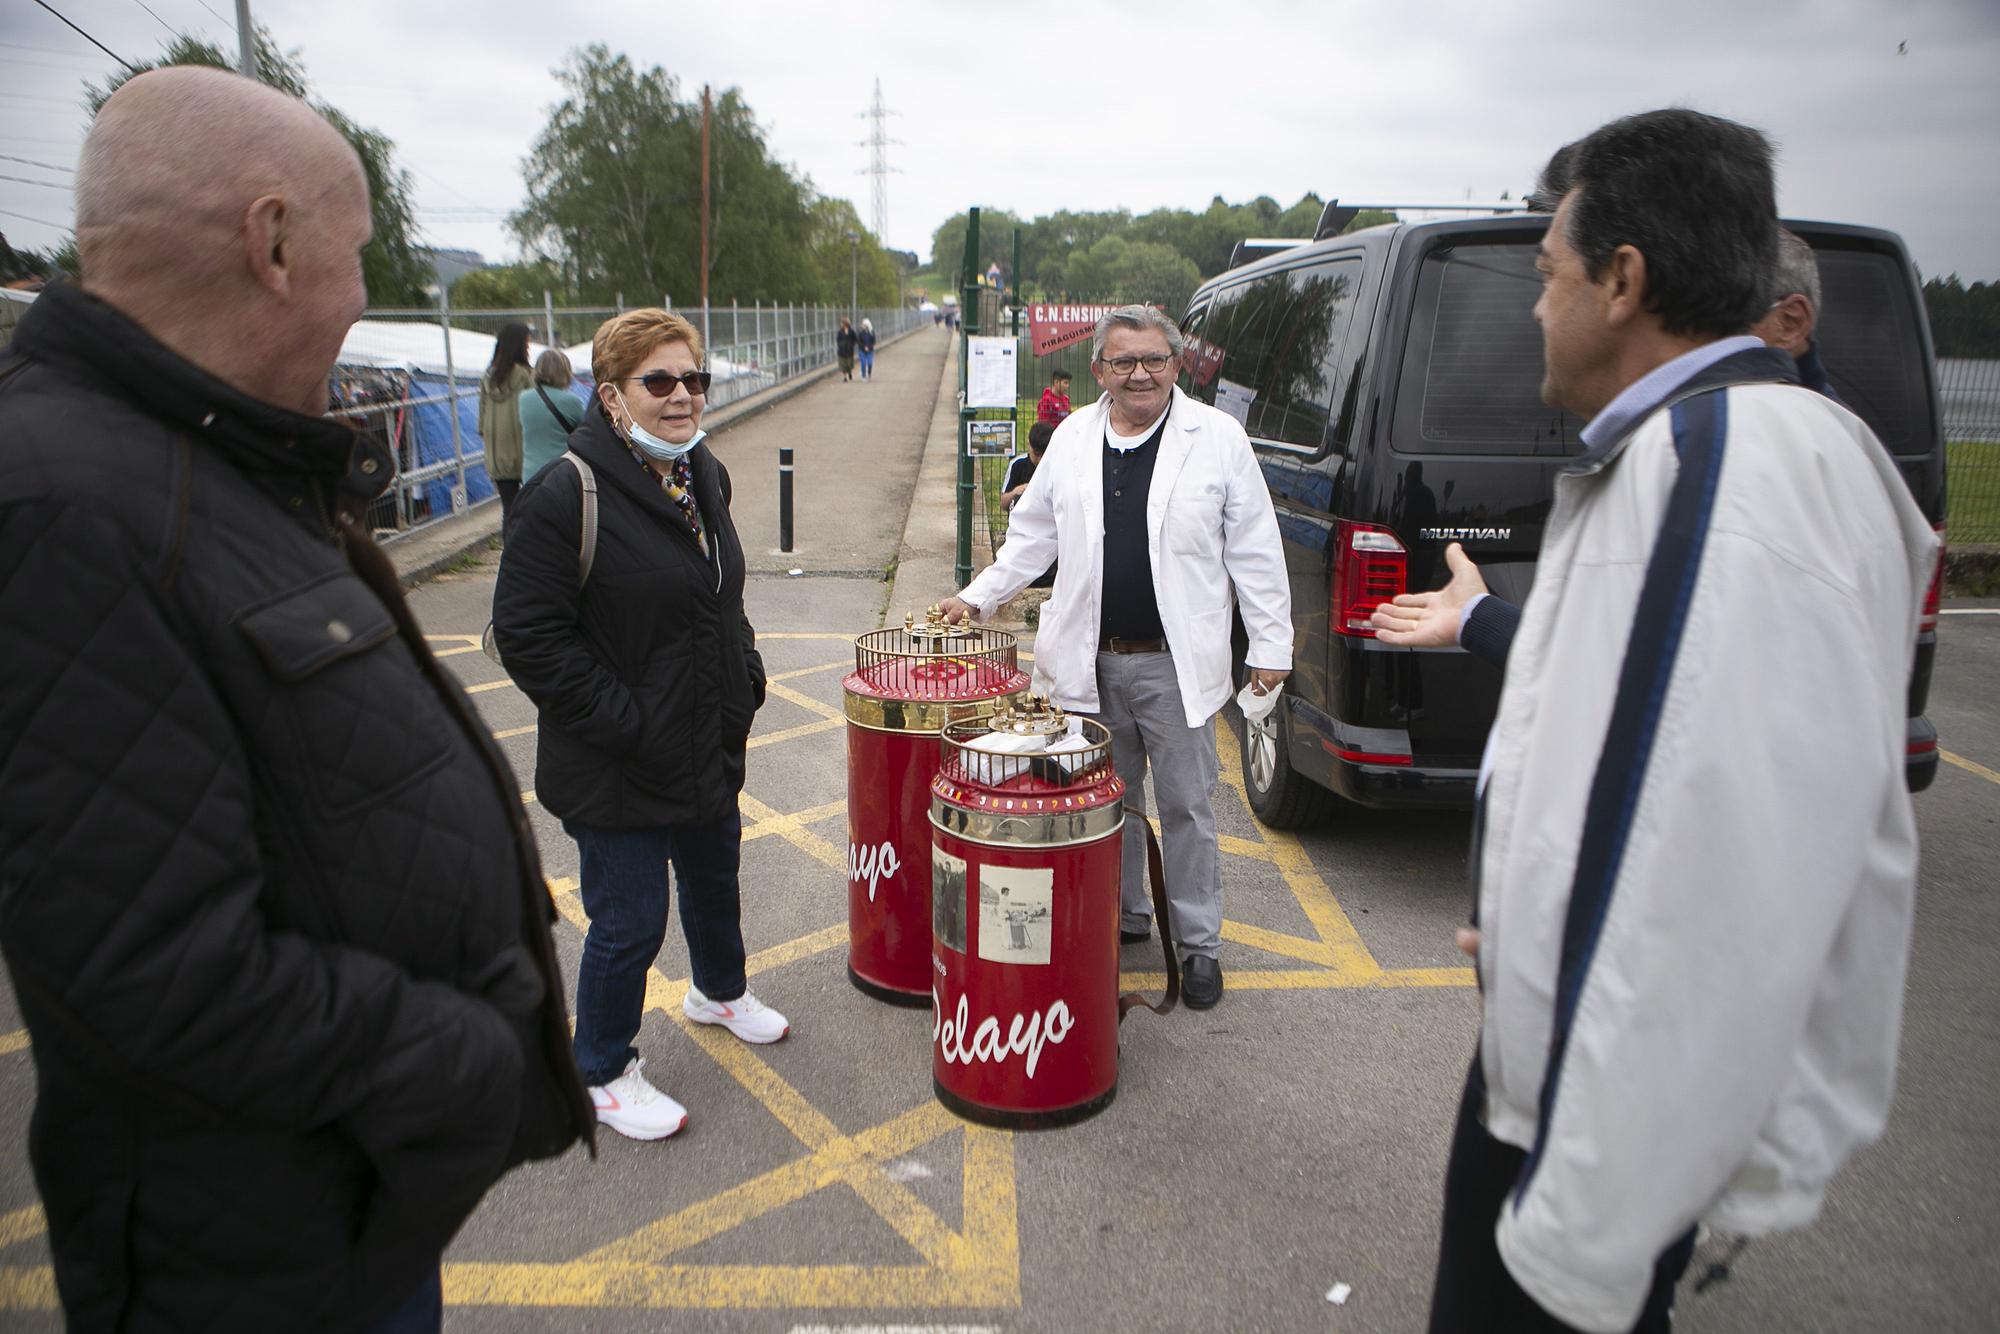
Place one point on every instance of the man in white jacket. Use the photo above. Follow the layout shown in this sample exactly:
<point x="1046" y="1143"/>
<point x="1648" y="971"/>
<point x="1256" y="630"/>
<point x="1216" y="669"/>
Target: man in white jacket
<point x="1695" y="849"/>
<point x="1156" y="511"/>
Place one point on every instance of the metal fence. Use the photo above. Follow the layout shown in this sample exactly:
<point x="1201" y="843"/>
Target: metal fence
<point x="410" y="378"/>
<point x="1969" y="401"/>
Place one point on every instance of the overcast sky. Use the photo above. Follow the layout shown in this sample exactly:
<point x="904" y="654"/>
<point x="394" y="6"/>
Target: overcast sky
<point x="1037" y="106"/>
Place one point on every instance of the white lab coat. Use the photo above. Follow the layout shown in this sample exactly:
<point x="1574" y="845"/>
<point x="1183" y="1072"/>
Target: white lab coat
<point x="1209" y="531"/>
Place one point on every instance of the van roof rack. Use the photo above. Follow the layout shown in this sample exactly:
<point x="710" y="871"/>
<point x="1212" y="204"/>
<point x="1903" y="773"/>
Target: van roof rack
<point x="1256" y="247"/>
<point x="1333" y="219"/>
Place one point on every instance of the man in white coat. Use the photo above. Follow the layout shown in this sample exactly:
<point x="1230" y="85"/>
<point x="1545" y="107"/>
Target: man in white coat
<point x="1696" y="856"/>
<point x="1155" y="510"/>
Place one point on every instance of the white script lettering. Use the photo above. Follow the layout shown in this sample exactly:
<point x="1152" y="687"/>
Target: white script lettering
<point x="878" y="863"/>
<point x="1026" y="1034"/>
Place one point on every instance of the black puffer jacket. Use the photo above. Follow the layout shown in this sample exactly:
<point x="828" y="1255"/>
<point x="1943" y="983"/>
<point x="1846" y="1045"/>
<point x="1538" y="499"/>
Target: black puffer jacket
<point x="647" y="683"/>
<point x="275" y="919"/>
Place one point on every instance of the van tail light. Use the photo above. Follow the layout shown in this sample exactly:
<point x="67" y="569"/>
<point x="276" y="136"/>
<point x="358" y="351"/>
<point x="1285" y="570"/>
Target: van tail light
<point x="1928" y="624"/>
<point x="1370" y="567"/>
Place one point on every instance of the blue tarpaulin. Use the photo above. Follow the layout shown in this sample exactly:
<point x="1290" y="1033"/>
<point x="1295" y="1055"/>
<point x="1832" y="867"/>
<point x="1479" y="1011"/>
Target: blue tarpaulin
<point x="430" y="433"/>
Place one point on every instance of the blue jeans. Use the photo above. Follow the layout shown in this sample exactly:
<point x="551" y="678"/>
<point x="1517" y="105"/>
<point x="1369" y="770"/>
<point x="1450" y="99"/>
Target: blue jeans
<point x="867" y="362"/>
<point x="624" y="889"/>
<point x="422" y="1314"/>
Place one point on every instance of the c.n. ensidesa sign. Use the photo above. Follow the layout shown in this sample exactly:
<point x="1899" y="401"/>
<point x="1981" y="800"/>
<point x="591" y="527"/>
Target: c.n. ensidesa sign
<point x="1052" y="327"/>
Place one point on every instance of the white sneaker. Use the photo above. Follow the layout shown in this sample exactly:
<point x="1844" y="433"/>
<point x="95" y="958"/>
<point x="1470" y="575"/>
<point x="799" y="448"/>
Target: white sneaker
<point x="634" y="1108"/>
<point x="746" y="1016"/>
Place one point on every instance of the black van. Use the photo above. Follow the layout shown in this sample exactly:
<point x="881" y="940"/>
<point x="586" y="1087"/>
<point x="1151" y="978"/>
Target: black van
<point x="1390" y="381"/>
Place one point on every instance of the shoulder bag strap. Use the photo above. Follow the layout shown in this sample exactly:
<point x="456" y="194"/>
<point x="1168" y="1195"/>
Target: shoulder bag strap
<point x="1132" y="1000"/>
<point x="554" y="411"/>
<point x="586" y="548"/>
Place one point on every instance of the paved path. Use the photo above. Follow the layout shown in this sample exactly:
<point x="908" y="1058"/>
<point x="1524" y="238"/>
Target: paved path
<point x="1256" y="1155"/>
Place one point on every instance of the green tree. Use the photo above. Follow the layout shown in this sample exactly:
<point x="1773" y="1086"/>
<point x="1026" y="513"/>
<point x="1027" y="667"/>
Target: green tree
<point x="996" y="243"/>
<point x="509" y="287"/>
<point x="392" y="265"/>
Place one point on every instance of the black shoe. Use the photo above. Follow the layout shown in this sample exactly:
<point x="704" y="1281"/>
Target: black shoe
<point x="1138" y="937"/>
<point x="1201" y="982"/>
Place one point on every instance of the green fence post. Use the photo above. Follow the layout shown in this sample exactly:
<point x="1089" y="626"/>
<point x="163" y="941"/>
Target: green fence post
<point x="968" y="325"/>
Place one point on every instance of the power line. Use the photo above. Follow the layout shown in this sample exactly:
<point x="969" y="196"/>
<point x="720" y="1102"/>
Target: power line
<point x="50" y="185"/>
<point x="31" y="162"/>
<point x="88" y="38"/>
<point x="25" y="218"/>
<point x="171" y="32"/>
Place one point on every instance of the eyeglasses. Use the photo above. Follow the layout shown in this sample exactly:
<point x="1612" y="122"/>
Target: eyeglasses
<point x="660" y="384"/>
<point x="1153" y="362"/>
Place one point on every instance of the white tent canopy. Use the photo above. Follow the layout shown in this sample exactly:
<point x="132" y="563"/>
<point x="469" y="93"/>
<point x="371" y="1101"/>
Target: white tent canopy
<point x="396" y="345"/>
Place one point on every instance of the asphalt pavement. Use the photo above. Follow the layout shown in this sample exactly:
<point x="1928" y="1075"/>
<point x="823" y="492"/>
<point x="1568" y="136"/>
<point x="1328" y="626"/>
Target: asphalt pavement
<point x="1256" y="1155"/>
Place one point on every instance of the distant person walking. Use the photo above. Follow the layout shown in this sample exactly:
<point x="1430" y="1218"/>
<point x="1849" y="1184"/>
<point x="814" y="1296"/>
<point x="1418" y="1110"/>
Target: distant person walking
<point x="844" y="343"/>
<point x="864" y="342"/>
<point x="646" y="678"/>
<point x="500" y="389"/>
<point x="549" y="410"/>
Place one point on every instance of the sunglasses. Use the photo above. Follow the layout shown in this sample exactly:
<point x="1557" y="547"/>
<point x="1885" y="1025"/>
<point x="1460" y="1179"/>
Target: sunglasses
<point x="660" y="384"/>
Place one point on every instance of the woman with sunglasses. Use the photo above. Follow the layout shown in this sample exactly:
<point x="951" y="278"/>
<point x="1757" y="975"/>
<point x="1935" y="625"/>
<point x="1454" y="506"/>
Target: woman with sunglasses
<point x="646" y="676"/>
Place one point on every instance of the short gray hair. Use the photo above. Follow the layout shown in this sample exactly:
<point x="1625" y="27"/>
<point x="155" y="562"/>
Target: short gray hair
<point x="1797" y="270"/>
<point x="552" y="369"/>
<point x="1141" y="318"/>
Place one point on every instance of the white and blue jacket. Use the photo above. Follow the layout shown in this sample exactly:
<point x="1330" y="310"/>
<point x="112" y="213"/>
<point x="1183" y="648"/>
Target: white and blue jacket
<point x="1697" y="854"/>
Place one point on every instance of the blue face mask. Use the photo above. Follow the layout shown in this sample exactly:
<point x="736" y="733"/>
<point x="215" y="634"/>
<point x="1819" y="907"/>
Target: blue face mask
<point x="651" y="445"/>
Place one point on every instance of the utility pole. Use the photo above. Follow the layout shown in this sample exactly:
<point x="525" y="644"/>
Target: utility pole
<point x="246" y="41"/>
<point x="704" y="214"/>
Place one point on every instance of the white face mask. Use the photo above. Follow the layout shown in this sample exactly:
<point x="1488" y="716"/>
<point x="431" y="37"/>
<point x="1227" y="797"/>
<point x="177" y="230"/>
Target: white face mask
<point x="651" y="445"/>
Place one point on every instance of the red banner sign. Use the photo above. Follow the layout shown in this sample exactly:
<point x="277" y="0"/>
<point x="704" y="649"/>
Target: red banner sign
<point x="1052" y="327"/>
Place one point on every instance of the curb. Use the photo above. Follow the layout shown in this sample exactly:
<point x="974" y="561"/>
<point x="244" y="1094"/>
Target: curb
<point x="450" y="541"/>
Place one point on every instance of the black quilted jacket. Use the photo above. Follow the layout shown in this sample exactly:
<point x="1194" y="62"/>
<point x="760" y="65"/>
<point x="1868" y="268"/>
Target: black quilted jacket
<point x="272" y="911"/>
<point x="647" y="681"/>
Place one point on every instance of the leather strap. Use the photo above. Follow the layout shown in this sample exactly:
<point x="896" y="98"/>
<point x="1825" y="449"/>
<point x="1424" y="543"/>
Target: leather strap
<point x="1109" y="644"/>
<point x="1132" y="1000"/>
<point x="554" y="411"/>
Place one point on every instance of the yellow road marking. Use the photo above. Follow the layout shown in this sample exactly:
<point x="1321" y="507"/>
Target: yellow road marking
<point x="473" y="640"/>
<point x="1345" y="950"/>
<point x="22" y="1224"/>
<point x="777" y="824"/>
<point x="788" y="828"/>
<point x="454" y="652"/>
<point x="793" y="733"/>
<point x="977" y="1267"/>
<point x="27" y="1288"/>
<point x="514" y="731"/>
<point x="528" y="797"/>
<point x="804" y="701"/>
<point x="502" y="684"/>
<point x="797" y="672"/>
<point x="13" y="1042"/>
<point x="1970" y="766"/>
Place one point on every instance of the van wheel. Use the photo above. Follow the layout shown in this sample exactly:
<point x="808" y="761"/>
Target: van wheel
<point x="1280" y="796"/>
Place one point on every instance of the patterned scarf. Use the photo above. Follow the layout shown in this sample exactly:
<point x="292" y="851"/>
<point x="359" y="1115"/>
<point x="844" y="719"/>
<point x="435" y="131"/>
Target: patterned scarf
<point x="679" y="486"/>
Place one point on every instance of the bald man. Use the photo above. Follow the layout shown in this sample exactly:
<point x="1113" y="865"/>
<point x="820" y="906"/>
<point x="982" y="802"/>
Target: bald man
<point x="272" y="911"/>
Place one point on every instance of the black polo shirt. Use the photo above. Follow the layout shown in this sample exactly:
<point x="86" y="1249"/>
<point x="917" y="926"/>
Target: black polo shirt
<point x="1129" y="609"/>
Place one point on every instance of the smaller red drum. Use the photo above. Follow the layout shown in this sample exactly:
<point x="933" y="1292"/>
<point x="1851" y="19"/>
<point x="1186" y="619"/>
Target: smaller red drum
<point x="1025" y="814"/>
<point x="906" y="684"/>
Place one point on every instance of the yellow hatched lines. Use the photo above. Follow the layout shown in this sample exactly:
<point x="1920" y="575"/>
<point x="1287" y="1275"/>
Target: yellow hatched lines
<point x="977" y="1264"/>
<point x="1336" y="949"/>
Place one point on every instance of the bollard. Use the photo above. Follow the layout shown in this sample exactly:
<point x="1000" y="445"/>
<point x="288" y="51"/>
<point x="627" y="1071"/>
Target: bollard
<point x="784" y="499"/>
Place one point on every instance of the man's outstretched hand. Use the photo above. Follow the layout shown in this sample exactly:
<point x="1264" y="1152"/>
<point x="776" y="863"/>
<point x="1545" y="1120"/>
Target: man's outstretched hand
<point x="956" y="610"/>
<point x="1430" y="620"/>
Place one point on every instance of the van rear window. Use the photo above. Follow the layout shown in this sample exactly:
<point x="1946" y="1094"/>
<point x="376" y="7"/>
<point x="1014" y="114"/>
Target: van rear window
<point x="1472" y="368"/>
<point x="1868" y="344"/>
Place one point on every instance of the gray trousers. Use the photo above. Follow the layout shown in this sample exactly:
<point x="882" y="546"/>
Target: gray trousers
<point x="1140" y="698"/>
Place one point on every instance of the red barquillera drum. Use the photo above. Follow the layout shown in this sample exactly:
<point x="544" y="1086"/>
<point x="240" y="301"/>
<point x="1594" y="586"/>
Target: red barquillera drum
<point x="907" y="683"/>
<point x="1026" y="812"/>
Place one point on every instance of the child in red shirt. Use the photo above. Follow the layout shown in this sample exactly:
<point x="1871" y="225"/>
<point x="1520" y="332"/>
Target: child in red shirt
<point x="1055" y="400"/>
